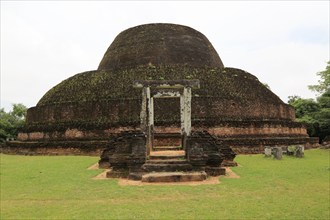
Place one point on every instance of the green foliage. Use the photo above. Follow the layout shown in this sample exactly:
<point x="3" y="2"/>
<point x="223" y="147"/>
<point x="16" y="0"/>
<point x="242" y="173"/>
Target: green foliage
<point x="324" y="82"/>
<point x="293" y="98"/>
<point x="266" y="85"/>
<point x="316" y="114"/>
<point x="43" y="187"/>
<point x="12" y="121"/>
<point x="323" y="120"/>
<point x="324" y="100"/>
<point x="305" y="107"/>
<point x="227" y="83"/>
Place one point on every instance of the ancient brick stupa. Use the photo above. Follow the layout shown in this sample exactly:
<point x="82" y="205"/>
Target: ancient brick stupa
<point x="82" y="112"/>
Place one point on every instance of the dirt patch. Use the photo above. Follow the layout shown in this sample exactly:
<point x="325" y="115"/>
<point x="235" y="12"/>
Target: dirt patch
<point x="126" y="182"/>
<point x="231" y="174"/>
<point x="208" y="181"/>
<point x="94" y="167"/>
<point x="102" y="176"/>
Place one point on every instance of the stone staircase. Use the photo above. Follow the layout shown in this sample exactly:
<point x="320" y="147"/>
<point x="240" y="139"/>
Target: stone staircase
<point x="170" y="165"/>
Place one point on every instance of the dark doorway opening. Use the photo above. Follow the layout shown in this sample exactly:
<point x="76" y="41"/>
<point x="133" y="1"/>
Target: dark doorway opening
<point x="167" y="122"/>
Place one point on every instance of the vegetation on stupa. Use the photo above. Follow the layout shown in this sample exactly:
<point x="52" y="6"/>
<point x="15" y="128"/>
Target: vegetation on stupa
<point x="108" y="88"/>
<point x="228" y="83"/>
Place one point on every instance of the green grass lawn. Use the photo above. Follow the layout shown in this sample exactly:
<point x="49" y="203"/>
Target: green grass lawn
<point x="61" y="187"/>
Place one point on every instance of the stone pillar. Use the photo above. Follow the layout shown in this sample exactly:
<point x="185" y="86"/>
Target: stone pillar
<point x="182" y="114"/>
<point x="150" y="123"/>
<point x="185" y="107"/>
<point x="144" y="113"/>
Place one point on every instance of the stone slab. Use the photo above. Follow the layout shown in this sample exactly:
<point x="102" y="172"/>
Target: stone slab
<point x="167" y="148"/>
<point x="161" y="167"/>
<point x="174" y="177"/>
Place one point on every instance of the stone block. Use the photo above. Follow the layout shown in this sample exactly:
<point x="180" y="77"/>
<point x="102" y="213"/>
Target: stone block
<point x="277" y="152"/>
<point x="229" y="163"/>
<point x="299" y="152"/>
<point x="125" y="153"/>
<point x="215" y="171"/>
<point x="296" y="150"/>
<point x="117" y="173"/>
<point x="104" y="164"/>
<point x="135" y="176"/>
<point x="268" y="151"/>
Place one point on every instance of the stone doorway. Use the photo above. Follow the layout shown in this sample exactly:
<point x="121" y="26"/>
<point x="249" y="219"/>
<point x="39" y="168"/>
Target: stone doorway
<point x="161" y="89"/>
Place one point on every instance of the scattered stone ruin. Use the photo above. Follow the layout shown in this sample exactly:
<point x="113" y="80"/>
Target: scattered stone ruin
<point x="86" y="112"/>
<point x="277" y="151"/>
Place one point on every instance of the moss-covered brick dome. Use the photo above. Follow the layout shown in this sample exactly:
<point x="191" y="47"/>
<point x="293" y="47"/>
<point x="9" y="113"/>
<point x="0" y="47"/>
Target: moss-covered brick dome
<point x="230" y="102"/>
<point x="160" y="44"/>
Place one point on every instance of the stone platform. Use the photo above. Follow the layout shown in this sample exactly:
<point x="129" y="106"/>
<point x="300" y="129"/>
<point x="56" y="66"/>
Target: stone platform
<point x="127" y="156"/>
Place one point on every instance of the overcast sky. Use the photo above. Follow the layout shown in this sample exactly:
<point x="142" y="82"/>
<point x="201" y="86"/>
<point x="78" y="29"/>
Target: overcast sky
<point x="283" y="43"/>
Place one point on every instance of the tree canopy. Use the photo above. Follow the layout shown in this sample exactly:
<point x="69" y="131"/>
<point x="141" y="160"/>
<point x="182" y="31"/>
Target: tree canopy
<point x="315" y="113"/>
<point x="12" y="121"/>
<point x="324" y="82"/>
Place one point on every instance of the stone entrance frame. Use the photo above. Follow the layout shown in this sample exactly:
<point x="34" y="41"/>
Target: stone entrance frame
<point x="152" y="89"/>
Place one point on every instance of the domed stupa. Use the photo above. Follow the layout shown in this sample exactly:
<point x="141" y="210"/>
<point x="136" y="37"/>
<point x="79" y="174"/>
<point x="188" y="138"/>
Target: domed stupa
<point x="81" y="113"/>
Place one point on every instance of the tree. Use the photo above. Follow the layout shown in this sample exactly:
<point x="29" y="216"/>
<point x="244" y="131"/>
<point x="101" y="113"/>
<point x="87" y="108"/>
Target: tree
<point x="293" y="98"/>
<point x="324" y="82"/>
<point x="323" y="115"/>
<point x="316" y="114"/>
<point x="324" y="100"/>
<point x="305" y="112"/>
<point x="12" y="121"/>
<point x="305" y="107"/>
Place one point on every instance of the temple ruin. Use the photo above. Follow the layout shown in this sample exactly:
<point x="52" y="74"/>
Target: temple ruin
<point x="165" y="87"/>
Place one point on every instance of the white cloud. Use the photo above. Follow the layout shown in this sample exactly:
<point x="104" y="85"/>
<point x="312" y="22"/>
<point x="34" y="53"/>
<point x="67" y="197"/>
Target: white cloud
<point x="42" y="43"/>
<point x="290" y="68"/>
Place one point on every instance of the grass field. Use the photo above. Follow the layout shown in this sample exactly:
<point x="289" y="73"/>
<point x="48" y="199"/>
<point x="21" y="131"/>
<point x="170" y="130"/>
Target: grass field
<point x="61" y="187"/>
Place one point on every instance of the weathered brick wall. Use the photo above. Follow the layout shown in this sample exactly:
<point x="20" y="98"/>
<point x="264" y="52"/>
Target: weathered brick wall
<point x="110" y="110"/>
<point x="91" y="148"/>
<point x="124" y="112"/>
<point x="72" y="134"/>
<point x="251" y="129"/>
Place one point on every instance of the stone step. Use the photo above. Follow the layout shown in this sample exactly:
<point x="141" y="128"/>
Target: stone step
<point x="173" y="177"/>
<point x="166" y="157"/>
<point x="166" y="161"/>
<point x="167" y="148"/>
<point x="165" y="167"/>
